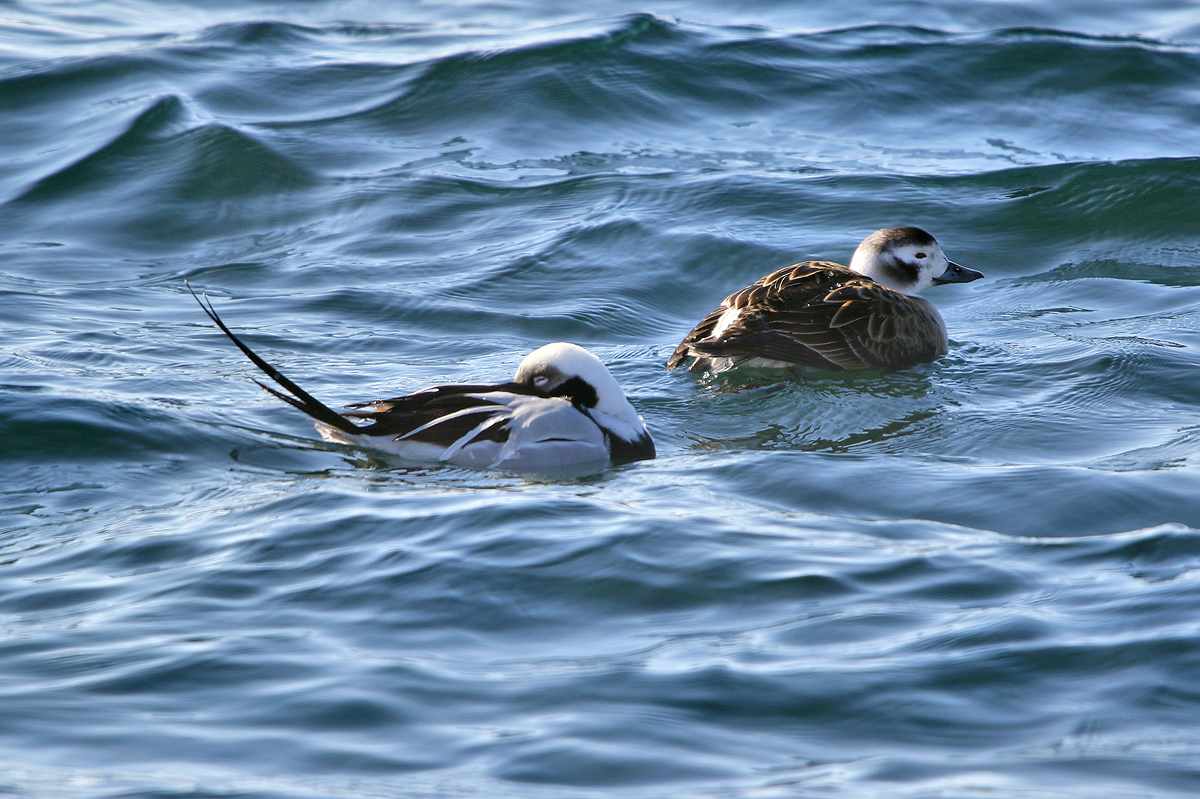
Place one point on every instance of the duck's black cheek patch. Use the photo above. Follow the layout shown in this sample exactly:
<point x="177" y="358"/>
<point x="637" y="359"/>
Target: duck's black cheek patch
<point x="580" y="392"/>
<point x="902" y="271"/>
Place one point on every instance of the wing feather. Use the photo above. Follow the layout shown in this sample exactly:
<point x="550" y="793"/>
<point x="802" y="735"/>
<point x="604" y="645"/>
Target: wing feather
<point x="821" y="314"/>
<point x="450" y="417"/>
<point x="699" y="332"/>
<point x="473" y="434"/>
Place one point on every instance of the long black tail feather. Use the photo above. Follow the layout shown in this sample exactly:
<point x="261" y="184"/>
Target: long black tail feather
<point x="303" y="400"/>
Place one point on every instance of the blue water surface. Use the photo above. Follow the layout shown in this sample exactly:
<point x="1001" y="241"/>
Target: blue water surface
<point x="976" y="578"/>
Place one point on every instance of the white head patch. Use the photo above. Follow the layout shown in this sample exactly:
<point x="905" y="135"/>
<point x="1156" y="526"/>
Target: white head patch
<point x="906" y="259"/>
<point x="548" y="367"/>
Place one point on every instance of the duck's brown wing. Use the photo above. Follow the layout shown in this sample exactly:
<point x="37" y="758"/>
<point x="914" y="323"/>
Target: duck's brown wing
<point x="699" y="333"/>
<point x="823" y="315"/>
<point x="756" y="294"/>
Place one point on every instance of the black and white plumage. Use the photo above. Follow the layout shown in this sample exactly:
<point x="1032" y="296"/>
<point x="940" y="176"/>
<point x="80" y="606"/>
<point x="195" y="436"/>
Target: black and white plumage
<point x="562" y="411"/>
<point x="825" y="315"/>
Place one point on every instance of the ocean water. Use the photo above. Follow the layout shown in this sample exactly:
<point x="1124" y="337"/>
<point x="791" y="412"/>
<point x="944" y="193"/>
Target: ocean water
<point x="977" y="578"/>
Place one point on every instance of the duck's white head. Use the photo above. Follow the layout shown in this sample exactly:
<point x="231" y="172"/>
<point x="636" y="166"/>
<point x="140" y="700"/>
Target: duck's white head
<point x="908" y="260"/>
<point x="571" y="372"/>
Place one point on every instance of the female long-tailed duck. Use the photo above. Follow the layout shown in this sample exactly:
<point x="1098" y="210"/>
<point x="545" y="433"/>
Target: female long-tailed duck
<point x="822" y="314"/>
<point x="563" y="411"/>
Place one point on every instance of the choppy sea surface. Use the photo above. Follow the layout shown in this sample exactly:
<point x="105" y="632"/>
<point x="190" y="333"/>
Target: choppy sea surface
<point x="977" y="578"/>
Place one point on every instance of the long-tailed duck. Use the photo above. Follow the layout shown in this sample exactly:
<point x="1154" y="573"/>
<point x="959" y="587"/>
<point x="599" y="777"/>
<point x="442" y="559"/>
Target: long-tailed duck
<point x="562" y="411"/>
<point x="826" y="315"/>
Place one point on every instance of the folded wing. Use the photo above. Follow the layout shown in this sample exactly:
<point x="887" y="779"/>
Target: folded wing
<point x="823" y="315"/>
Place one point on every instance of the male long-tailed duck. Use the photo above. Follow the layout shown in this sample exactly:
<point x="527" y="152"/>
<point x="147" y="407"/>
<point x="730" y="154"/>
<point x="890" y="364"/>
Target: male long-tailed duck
<point x="822" y="314"/>
<point x="563" y="411"/>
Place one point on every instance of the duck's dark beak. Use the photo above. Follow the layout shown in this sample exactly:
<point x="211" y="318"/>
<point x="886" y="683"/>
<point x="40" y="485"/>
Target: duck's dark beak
<point x="957" y="274"/>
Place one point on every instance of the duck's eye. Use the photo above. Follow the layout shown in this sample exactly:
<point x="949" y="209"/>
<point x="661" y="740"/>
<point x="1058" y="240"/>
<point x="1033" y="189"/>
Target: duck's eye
<point x="920" y="255"/>
<point x="540" y="380"/>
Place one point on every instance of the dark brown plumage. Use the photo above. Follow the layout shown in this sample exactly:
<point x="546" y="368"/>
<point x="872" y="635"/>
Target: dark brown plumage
<point x="825" y="315"/>
<point x="819" y="314"/>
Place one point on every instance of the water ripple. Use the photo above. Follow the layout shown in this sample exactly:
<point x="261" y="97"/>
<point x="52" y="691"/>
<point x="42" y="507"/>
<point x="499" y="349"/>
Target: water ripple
<point x="973" y="578"/>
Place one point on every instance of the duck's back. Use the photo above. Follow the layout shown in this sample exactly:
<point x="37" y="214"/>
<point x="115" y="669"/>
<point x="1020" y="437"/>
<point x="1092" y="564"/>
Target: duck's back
<point x="818" y="314"/>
